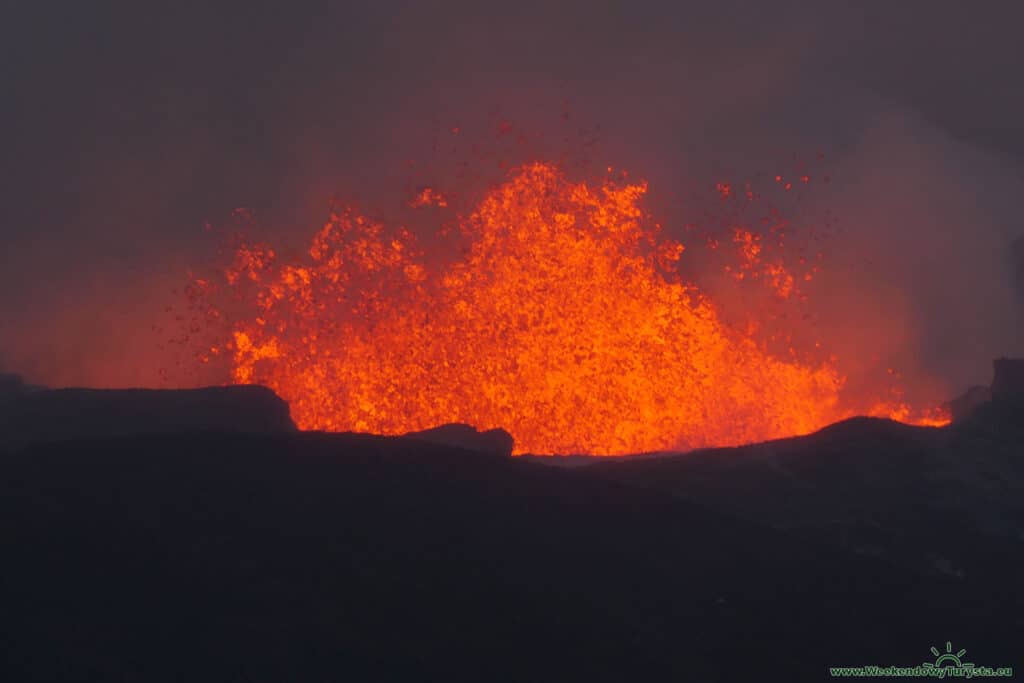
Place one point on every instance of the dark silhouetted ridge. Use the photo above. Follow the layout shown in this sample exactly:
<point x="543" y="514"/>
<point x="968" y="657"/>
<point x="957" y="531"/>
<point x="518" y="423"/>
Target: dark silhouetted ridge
<point x="63" y="414"/>
<point x="492" y="442"/>
<point x="327" y="557"/>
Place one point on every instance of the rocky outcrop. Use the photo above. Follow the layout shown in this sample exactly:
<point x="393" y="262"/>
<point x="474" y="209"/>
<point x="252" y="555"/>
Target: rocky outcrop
<point x="492" y="442"/>
<point x="1003" y="397"/>
<point x="64" y="414"/>
<point x="1008" y="379"/>
<point x="10" y="386"/>
<point x="964" y="405"/>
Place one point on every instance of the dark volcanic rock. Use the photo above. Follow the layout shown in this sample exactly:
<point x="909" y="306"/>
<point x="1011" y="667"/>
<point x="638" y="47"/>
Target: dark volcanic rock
<point x="1008" y="379"/>
<point x="938" y="500"/>
<point x="62" y="414"/>
<point x="1007" y="391"/>
<point x="964" y="405"/>
<point x="10" y="385"/>
<point x="341" y="557"/>
<point x="493" y="441"/>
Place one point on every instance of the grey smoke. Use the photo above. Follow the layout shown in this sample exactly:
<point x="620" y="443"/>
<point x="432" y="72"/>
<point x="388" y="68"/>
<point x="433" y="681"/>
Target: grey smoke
<point x="129" y="127"/>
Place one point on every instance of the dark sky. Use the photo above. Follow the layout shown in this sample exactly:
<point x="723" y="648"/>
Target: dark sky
<point x="128" y="125"/>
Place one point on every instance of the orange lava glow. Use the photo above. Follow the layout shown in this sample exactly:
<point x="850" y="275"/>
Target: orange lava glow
<point x="565" y="320"/>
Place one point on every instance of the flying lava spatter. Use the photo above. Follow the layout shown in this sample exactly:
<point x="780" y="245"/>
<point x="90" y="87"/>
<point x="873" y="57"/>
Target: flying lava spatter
<point x="566" y="321"/>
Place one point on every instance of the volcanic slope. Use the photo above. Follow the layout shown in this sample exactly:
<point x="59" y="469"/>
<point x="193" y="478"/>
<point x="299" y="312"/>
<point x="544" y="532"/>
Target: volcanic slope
<point x="310" y="556"/>
<point x="942" y="501"/>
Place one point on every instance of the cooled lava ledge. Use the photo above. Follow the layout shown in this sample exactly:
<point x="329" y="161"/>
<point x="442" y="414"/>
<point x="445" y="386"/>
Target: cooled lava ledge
<point x="492" y="441"/>
<point x="33" y="415"/>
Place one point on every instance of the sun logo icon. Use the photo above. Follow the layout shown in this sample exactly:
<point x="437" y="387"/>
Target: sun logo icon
<point x="948" y="659"/>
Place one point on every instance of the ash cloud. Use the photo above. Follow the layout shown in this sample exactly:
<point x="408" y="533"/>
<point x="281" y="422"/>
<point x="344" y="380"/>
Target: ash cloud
<point x="130" y="128"/>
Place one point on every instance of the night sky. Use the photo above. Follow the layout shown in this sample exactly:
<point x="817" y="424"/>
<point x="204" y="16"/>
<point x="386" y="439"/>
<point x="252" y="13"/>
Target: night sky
<point x="127" y="126"/>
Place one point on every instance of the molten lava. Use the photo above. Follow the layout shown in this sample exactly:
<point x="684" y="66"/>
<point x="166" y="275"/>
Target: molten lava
<point x="566" y="321"/>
